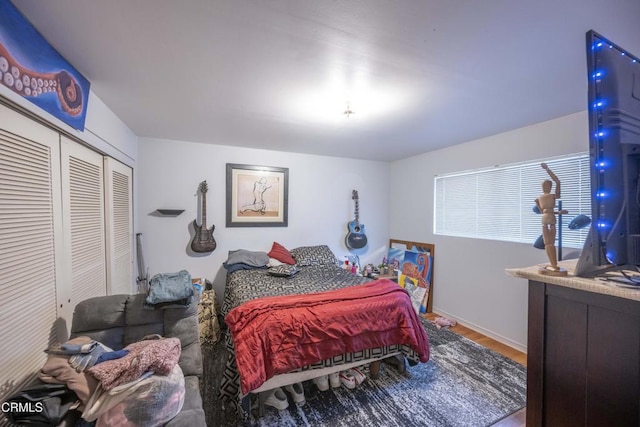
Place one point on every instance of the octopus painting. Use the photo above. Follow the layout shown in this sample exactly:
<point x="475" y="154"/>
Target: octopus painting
<point x="33" y="69"/>
<point x="29" y="83"/>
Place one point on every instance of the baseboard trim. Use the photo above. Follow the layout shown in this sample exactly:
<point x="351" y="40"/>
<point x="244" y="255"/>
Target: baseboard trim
<point x="483" y="331"/>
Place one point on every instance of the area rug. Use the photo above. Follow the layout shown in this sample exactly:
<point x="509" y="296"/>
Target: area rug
<point x="463" y="384"/>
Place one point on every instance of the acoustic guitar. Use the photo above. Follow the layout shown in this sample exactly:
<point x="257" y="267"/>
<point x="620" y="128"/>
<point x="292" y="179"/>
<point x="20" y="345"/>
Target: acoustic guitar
<point x="203" y="241"/>
<point x="356" y="239"/>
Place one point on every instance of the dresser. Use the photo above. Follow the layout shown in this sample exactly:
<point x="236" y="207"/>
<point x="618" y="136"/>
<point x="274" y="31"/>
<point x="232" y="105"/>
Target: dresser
<point x="583" y="351"/>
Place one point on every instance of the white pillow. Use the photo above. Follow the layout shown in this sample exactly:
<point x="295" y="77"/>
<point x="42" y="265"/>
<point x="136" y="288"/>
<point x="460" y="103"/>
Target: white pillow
<point x="274" y="262"/>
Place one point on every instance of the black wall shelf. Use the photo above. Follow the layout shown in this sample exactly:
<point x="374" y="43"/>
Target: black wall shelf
<point x="170" y="212"/>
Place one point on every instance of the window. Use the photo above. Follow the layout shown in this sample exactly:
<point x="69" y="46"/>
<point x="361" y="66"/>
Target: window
<point x="497" y="203"/>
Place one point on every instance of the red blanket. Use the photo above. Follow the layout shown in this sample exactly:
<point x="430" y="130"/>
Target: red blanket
<point x="275" y="335"/>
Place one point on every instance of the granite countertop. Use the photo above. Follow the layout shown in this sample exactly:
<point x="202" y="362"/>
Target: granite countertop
<point x="600" y="286"/>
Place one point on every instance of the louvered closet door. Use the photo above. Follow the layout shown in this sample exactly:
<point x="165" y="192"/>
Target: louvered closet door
<point x="119" y="222"/>
<point x="30" y="231"/>
<point x="83" y="210"/>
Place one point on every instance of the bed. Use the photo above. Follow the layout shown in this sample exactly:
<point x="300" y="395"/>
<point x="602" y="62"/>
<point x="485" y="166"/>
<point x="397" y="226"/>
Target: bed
<point x="317" y="273"/>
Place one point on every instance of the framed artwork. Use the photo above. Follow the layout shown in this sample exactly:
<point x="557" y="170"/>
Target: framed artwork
<point x="257" y="196"/>
<point x="414" y="264"/>
<point x="415" y="277"/>
<point x="32" y="68"/>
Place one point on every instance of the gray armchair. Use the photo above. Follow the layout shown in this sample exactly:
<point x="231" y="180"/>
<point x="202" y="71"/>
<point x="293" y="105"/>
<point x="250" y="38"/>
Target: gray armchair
<point x="119" y="320"/>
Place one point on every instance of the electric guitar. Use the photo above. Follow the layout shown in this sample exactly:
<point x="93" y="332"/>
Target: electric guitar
<point x="203" y="241"/>
<point x="356" y="239"/>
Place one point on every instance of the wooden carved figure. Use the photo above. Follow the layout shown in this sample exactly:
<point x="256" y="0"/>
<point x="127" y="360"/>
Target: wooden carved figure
<point x="546" y="203"/>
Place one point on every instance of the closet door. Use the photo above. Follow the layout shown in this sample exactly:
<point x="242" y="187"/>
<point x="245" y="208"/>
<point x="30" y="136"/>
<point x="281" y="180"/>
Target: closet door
<point x="30" y="237"/>
<point x="119" y="222"/>
<point x="83" y="210"/>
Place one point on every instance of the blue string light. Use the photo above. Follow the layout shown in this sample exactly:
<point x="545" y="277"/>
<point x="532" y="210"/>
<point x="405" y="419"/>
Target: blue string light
<point x="599" y="44"/>
<point x="603" y="164"/>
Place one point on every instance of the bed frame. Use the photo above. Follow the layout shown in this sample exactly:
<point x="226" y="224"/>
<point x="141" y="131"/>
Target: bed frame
<point x="283" y="380"/>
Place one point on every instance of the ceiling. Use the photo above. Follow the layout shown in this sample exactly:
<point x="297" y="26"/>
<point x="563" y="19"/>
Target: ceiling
<point x="419" y="75"/>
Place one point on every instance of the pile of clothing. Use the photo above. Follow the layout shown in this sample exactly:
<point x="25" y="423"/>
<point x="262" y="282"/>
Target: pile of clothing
<point x="168" y="290"/>
<point x="141" y="384"/>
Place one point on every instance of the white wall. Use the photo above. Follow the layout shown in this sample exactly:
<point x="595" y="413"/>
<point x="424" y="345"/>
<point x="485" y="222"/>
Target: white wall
<point x="470" y="284"/>
<point x="320" y="204"/>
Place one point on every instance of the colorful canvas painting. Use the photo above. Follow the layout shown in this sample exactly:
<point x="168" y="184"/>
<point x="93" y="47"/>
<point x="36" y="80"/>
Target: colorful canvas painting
<point x="32" y="68"/>
<point x="415" y="277"/>
<point x="395" y="256"/>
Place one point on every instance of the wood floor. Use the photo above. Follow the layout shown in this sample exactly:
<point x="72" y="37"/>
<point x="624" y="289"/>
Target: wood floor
<point x="517" y="419"/>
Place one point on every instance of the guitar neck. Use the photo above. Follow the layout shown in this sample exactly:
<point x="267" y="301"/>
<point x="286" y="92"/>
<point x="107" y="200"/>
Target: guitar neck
<point x="204" y="211"/>
<point x="357" y="213"/>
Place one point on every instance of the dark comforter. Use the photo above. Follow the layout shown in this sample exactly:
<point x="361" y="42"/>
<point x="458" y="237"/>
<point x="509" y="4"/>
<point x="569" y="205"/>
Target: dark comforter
<point x="277" y="334"/>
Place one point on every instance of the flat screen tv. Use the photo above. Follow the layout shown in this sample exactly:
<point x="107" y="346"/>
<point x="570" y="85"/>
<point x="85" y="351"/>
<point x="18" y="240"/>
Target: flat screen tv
<point x="613" y="242"/>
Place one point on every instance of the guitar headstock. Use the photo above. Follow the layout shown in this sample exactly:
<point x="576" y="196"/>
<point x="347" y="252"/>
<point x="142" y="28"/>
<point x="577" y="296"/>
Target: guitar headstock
<point x="354" y="194"/>
<point x="203" y="188"/>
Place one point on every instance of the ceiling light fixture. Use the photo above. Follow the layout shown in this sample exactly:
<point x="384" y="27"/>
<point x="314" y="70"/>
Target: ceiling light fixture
<point x="348" y="111"/>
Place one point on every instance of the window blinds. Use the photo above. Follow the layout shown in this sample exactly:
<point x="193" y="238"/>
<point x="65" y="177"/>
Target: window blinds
<point x="497" y="203"/>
